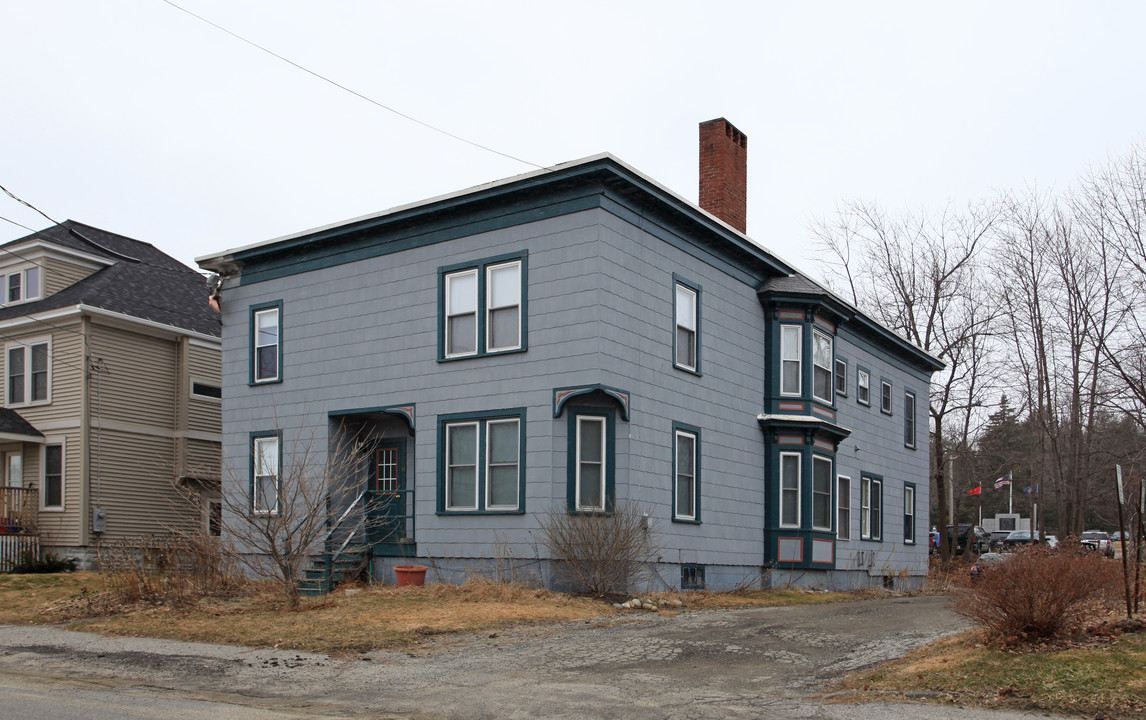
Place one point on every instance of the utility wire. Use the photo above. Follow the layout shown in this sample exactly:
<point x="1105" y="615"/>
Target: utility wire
<point x="355" y="92"/>
<point x="27" y="204"/>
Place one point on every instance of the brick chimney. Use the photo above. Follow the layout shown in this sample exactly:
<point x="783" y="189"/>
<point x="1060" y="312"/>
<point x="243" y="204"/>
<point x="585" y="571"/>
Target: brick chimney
<point x="724" y="172"/>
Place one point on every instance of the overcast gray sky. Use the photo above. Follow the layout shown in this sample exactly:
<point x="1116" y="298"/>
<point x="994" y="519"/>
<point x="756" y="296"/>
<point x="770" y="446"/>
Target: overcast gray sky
<point x="140" y="119"/>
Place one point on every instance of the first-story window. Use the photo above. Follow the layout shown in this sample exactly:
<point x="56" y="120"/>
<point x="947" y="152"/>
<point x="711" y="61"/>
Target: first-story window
<point x="53" y="487"/>
<point x="591" y="472"/>
<point x="266" y="480"/>
<point x="821" y="493"/>
<point x="686" y="466"/>
<point x="871" y="503"/>
<point x="909" y="514"/>
<point x="591" y="459"/>
<point x="790" y="489"/>
<point x="844" y="507"/>
<point x="482" y="458"/>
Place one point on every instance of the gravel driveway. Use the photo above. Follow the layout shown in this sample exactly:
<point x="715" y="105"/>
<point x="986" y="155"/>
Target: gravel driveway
<point x="761" y="662"/>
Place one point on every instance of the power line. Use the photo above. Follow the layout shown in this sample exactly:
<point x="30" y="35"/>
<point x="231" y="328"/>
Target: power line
<point x="27" y="204"/>
<point x="357" y="94"/>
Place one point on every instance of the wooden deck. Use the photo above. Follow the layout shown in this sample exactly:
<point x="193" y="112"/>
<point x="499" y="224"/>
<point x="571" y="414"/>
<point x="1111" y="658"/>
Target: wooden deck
<point x="18" y="530"/>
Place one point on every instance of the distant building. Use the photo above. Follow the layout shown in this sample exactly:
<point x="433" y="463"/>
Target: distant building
<point x="112" y="392"/>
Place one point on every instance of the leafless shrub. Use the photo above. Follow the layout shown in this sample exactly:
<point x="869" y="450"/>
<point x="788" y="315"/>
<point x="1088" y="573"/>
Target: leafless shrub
<point x="608" y="551"/>
<point x="1039" y="593"/>
<point x="172" y="570"/>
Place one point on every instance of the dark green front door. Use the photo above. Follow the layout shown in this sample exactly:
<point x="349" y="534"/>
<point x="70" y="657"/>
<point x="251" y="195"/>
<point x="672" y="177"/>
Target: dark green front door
<point x="386" y="503"/>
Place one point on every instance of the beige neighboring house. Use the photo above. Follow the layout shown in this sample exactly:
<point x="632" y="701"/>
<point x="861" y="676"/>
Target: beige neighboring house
<point x="111" y="393"/>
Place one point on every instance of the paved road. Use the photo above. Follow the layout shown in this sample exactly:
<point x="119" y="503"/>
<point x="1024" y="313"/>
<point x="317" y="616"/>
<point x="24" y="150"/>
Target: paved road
<point x="762" y="662"/>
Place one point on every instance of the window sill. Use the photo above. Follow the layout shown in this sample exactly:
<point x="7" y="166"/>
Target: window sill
<point x="455" y="358"/>
<point x="52" y="509"/>
<point x="686" y="369"/>
<point x="686" y="521"/>
<point x="257" y="383"/>
<point x="447" y="513"/>
<point x="37" y="403"/>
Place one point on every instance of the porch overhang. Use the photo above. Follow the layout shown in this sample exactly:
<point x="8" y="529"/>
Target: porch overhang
<point x="14" y="428"/>
<point x="405" y="411"/>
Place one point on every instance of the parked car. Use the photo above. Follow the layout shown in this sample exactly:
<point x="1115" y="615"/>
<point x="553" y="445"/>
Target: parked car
<point x="1117" y="536"/>
<point x="987" y="562"/>
<point x="1098" y="540"/>
<point x="970" y="536"/>
<point x="996" y="538"/>
<point x="1019" y="538"/>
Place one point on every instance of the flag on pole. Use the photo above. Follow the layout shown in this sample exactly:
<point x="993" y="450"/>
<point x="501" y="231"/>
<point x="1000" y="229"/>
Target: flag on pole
<point x="1031" y="489"/>
<point x="1005" y="480"/>
<point x="977" y="490"/>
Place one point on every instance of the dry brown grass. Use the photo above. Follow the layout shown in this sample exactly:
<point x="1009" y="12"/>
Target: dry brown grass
<point x="24" y="598"/>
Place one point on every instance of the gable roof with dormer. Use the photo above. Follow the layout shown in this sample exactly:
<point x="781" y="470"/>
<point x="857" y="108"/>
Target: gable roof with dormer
<point x="137" y="280"/>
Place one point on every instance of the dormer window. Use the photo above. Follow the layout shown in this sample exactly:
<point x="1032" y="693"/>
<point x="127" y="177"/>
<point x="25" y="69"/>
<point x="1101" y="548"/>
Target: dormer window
<point x="21" y="285"/>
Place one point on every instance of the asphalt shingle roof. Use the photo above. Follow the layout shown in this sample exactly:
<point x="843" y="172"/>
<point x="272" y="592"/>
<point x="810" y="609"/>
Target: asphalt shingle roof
<point x="144" y="282"/>
<point x="12" y="423"/>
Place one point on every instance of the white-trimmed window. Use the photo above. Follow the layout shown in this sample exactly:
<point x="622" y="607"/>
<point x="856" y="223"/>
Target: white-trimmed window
<point x="885" y="396"/>
<point x="843" y="507"/>
<point x="790" y="489"/>
<point x="909" y="419"/>
<point x="684" y="492"/>
<point x="482" y="307"/>
<point x="52" y="468"/>
<point x="461" y="466"/>
<point x="909" y="514"/>
<point x="791" y="367"/>
<point x="591" y="466"/>
<point x="871" y="503"/>
<point x="503" y="307"/>
<point x="29" y="372"/>
<point x="267" y="348"/>
<point x="461" y="313"/>
<point x="823" y="357"/>
<point x="863" y="387"/>
<point x="266" y="483"/>
<point x="21" y="285"/>
<point x="686" y="327"/>
<point x="202" y="390"/>
<point x="502" y="464"/>
<point x="821" y="493"/>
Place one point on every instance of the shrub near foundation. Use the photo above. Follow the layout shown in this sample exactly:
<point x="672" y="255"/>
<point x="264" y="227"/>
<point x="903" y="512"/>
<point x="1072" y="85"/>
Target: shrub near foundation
<point x="1037" y="594"/>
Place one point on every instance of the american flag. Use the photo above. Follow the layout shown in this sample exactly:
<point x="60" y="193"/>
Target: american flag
<point x="1005" y="480"/>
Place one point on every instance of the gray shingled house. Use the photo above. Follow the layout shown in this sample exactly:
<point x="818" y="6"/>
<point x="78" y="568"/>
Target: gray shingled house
<point x="112" y="393"/>
<point x="573" y="337"/>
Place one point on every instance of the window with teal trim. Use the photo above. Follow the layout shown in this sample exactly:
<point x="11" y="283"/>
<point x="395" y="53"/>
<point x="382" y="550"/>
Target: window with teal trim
<point x="871" y="508"/>
<point x="591" y="459"/>
<point x="821" y="493"/>
<point x="482" y="307"/>
<point x="909" y="513"/>
<point x="481" y="462"/>
<point x="266" y="475"/>
<point x="909" y="419"/>
<point x="266" y="346"/>
<point x="686" y="473"/>
<point x="686" y="338"/>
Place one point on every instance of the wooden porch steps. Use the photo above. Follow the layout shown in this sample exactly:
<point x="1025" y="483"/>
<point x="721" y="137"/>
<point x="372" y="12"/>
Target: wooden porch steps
<point x="323" y="575"/>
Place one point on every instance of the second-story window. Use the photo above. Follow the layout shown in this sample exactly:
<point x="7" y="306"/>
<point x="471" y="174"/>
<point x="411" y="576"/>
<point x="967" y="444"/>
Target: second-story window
<point x="909" y="419"/>
<point x="461" y="313"/>
<point x="791" y="339"/>
<point x="822" y="360"/>
<point x="482" y="308"/>
<point x="863" y="387"/>
<point x="267" y="344"/>
<point x="28" y="373"/>
<point x="686" y="301"/>
<point x="885" y="397"/>
<point x="503" y="307"/>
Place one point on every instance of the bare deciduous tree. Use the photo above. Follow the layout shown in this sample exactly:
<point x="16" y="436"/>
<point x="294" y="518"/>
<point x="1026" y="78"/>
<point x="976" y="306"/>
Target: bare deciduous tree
<point x="921" y="275"/>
